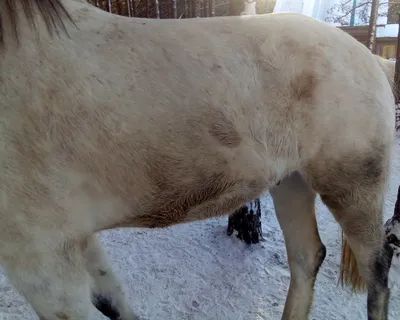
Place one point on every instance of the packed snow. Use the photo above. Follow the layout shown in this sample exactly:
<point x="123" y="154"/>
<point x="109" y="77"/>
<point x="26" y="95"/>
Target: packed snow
<point x="195" y="271"/>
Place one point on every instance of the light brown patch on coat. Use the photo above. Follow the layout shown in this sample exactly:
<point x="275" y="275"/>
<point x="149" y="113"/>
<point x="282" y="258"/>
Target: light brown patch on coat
<point x="173" y="204"/>
<point x="303" y="86"/>
<point x="62" y="316"/>
<point x="224" y="131"/>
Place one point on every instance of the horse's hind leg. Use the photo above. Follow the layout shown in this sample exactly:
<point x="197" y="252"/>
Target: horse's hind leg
<point x="107" y="293"/>
<point x="294" y="203"/>
<point x="54" y="281"/>
<point x="354" y="193"/>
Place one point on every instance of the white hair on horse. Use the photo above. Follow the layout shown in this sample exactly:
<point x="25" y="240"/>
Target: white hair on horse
<point x="128" y="122"/>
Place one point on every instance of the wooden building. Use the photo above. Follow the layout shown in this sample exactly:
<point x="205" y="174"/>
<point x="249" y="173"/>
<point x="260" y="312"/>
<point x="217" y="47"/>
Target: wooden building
<point x="386" y="46"/>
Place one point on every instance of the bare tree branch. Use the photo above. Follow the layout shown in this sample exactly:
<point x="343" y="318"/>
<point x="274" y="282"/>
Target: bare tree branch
<point x="340" y="12"/>
<point x="348" y="11"/>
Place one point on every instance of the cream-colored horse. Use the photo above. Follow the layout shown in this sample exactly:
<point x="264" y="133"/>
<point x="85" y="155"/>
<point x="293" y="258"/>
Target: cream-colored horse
<point x="149" y="123"/>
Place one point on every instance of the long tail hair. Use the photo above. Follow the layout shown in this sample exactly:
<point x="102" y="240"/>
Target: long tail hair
<point x="349" y="274"/>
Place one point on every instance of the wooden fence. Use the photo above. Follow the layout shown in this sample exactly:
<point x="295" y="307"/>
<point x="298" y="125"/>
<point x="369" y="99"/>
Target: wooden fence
<point x="179" y="9"/>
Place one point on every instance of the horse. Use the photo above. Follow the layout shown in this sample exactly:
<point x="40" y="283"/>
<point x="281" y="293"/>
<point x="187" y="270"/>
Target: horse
<point x="392" y="231"/>
<point x="111" y="122"/>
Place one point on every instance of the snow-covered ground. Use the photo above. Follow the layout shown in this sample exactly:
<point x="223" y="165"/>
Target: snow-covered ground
<point x="195" y="271"/>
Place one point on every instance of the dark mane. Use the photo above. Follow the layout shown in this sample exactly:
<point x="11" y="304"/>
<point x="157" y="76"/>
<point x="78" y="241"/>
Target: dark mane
<point x="52" y="12"/>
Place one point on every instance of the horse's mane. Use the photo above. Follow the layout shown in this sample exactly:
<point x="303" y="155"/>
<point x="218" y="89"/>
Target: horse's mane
<point x="52" y="12"/>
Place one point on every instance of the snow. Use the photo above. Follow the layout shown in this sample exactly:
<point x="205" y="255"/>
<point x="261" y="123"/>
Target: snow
<point x="195" y="271"/>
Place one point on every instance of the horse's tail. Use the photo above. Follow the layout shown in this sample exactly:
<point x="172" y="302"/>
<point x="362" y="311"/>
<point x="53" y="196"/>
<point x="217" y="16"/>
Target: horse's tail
<point x="388" y="67"/>
<point x="349" y="274"/>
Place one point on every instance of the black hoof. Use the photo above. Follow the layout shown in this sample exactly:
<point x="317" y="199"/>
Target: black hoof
<point x="104" y="306"/>
<point x="247" y="222"/>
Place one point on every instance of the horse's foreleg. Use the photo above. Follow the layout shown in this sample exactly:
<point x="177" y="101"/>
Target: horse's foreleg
<point x="107" y="294"/>
<point x="294" y="203"/>
<point x="54" y="281"/>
